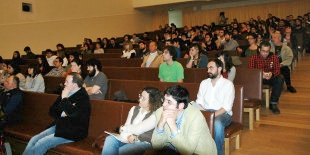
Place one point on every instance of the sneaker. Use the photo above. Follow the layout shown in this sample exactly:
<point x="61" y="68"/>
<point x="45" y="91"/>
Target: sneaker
<point x="291" y="89"/>
<point x="274" y="108"/>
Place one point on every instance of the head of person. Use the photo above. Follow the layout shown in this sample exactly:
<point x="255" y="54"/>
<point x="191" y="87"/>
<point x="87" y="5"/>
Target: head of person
<point x="27" y="49"/>
<point x="176" y="42"/>
<point x="98" y="45"/>
<point x="252" y="38"/>
<point x="221" y="33"/>
<point x="13" y="69"/>
<point x="105" y="41"/>
<point x="168" y="42"/>
<point x="195" y="50"/>
<point x="48" y="53"/>
<point x="4" y="66"/>
<point x="227" y="35"/>
<point x="150" y="98"/>
<point x="153" y="46"/>
<point x="215" y="68"/>
<point x="60" y="47"/>
<point x="276" y="38"/>
<point x="264" y="49"/>
<point x="128" y="46"/>
<point x="33" y="70"/>
<point x="93" y="66"/>
<point x="74" y="81"/>
<point x="208" y="37"/>
<point x="11" y="82"/>
<point x="98" y="40"/>
<point x="112" y="41"/>
<point x="169" y="53"/>
<point x="58" y="62"/>
<point x="16" y="55"/>
<point x="259" y="38"/>
<point x="142" y="45"/>
<point x="42" y="60"/>
<point x="72" y="56"/>
<point x="76" y="65"/>
<point x="176" y="98"/>
<point x="226" y="59"/>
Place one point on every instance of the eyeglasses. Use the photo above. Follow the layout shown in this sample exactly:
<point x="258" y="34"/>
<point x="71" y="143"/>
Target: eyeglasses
<point x="141" y="97"/>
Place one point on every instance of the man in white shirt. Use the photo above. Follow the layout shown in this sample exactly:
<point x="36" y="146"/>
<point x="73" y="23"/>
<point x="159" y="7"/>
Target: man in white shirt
<point x="50" y="57"/>
<point x="217" y="94"/>
<point x="154" y="58"/>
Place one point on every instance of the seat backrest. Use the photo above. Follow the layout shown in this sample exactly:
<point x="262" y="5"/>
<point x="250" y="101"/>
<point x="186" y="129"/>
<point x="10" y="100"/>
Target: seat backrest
<point x="105" y="116"/>
<point x="52" y="83"/>
<point x="237" y="108"/>
<point x="209" y="116"/>
<point x="36" y="108"/>
<point x="252" y="81"/>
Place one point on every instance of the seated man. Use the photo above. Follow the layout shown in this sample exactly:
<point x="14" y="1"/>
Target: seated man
<point x="154" y="58"/>
<point x="269" y="63"/>
<point x="285" y="56"/>
<point x="96" y="82"/>
<point x="181" y="128"/>
<point x="217" y="94"/>
<point x="71" y="112"/>
<point x="170" y="70"/>
<point x="230" y="44"/>
<point x="58" y="70"/>
<point x="10" y="101"/>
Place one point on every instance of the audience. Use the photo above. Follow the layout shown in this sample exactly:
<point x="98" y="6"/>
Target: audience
<point x="136" y="133"/>
<point x="252" y="49"/>
<point x="29" y="54"/>
<point x="58" y="70"/>
<point x="98" y="48"/>
<point x="153" y="58"/>
<point x="96" y="82"/>
<point x="14" y="69"/>
<point x="196" y="58"/>
<point x="216" y="94"/>
<point x="228" y="70"/>
<point x="269" y="64"/>
<point x="34" y="80"/>
<point x="43" y="65"/>
<point x="128" y="51"/>
<point x="170" y="70"/>
<point x="71" y="113"/>
<point x="181" y="128"/>
<point x="50" y="57"/>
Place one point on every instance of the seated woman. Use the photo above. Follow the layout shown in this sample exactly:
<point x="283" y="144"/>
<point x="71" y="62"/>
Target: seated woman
<point x="16" y="59"/>
<point x="128" y="51"/>
<point x="253" y="48"/>
<point x="138" y="129"/>
<point x="98" y="48"/>
<point x="14" y="69"/>
<point x="229" y="70"/>
<point x="44" y="67"/>
<point x="76" y="66"/>
<point x="34" y="80"/>
<point x="196" y="59"/>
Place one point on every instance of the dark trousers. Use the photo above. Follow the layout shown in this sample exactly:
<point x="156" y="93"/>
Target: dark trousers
<point x="277" y="86"/>
<point x="285" y="71"/>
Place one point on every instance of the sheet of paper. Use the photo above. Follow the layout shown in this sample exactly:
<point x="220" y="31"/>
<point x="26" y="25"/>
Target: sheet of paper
<point x="117" y="136"/>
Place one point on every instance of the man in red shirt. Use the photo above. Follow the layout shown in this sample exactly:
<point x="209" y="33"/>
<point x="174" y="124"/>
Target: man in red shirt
<point x="270" y="65"/>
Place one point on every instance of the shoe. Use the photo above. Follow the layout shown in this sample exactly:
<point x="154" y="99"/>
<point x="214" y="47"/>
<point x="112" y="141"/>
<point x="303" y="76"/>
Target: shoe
<point x="291" y="89"/>
<point x="274" y="108"/>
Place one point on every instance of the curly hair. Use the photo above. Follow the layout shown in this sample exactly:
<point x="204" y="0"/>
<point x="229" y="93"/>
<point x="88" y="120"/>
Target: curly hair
<point x="155" y="97"/>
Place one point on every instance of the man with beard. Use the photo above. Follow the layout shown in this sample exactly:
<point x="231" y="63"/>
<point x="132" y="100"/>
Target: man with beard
<point x="142" y="51"/>
<point x="217" y="94"/>
<point x="96" y="82"/>
<point x="230" y="44"/>
<point x="269" y="64"/>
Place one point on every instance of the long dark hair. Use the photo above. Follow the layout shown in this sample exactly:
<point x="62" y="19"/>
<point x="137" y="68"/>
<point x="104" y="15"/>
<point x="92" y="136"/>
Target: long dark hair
<point x="227" y="60"/>
<point x="36" y="70"/>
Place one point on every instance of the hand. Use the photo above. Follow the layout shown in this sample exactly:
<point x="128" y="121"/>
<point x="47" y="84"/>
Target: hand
<point x="132" y="139"/>
<point x="171" y="114"/>
<point x="65" y="92"/>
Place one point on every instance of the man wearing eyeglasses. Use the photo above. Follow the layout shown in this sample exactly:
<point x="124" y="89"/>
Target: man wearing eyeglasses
<point x="181" y="128"/>
<point x="269" y="63"/>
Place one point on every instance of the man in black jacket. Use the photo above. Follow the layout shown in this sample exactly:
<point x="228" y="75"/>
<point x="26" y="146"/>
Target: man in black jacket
<point x="10" y="101"/>
<point x="71" y="112"/>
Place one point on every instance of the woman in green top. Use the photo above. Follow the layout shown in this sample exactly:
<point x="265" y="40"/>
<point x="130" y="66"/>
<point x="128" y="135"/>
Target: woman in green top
<point x="253" y="48"/>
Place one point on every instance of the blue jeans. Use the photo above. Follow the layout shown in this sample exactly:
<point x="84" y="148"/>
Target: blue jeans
<point x="116" y="147"/>
<point x="40" y="143"/>
<point x="220" y="123"/>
